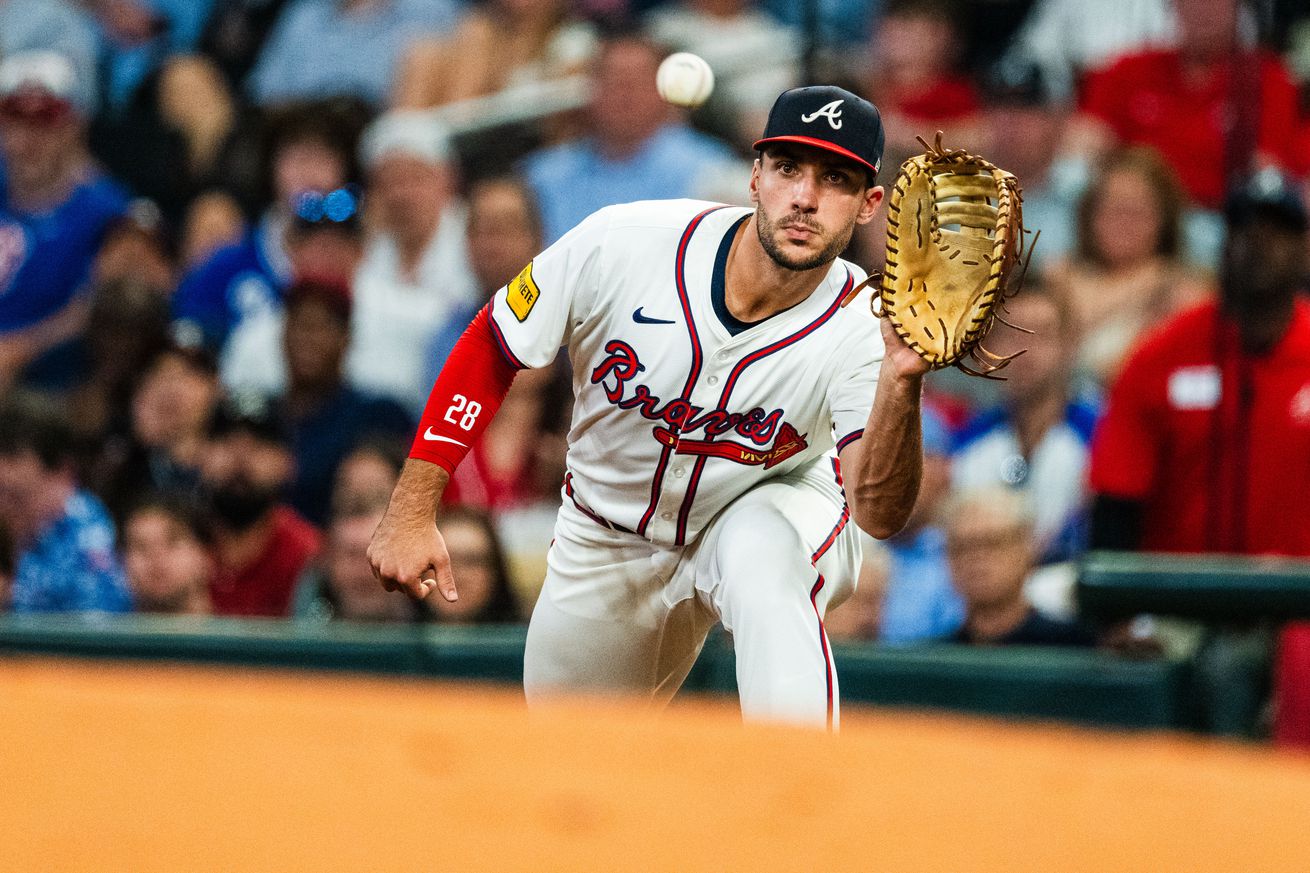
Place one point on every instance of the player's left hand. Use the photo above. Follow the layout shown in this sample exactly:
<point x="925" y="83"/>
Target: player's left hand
<point x="903" y="361"/>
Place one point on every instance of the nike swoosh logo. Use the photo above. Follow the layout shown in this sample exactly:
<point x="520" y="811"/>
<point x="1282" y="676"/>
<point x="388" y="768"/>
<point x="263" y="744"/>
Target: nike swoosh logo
<point x="641" y="318"/>
<point x="429" y="435"/>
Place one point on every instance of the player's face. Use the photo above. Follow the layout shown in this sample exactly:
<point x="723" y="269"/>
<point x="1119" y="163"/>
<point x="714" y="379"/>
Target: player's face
<point x="808" y="202"/>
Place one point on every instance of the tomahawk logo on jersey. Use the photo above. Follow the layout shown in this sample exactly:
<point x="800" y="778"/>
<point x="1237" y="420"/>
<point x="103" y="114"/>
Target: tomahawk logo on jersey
<point x="679" y="408"/>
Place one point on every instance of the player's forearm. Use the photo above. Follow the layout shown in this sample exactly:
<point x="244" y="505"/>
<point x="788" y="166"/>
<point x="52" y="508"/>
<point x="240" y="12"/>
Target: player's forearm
<point x="407" y="552"/>
<point x="883" y="482"/>
<point x="417" y="493"/>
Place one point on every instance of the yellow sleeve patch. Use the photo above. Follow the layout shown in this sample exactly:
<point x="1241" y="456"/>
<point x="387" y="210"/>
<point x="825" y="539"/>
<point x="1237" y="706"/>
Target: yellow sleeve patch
<point x="521" y="294"/>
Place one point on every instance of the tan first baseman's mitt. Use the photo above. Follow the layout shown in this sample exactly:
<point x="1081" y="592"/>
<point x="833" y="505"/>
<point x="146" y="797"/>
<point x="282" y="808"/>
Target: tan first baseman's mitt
<point x="954" y="236"/>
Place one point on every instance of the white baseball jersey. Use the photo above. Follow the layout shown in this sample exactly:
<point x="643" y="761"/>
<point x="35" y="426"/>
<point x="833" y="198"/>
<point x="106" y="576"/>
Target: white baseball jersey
<point x="675" y="415"/>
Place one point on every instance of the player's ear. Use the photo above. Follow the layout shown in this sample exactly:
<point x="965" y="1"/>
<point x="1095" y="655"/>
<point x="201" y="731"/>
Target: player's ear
<point x="755" y="182"/>
<point x="872" y="200"/>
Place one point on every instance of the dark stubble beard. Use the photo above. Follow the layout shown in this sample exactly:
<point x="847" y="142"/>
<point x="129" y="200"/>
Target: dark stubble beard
<point x="768" y="229"/>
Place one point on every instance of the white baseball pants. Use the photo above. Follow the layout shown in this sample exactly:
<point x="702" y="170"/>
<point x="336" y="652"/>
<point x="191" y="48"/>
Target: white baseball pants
<point x="619" y="613"/>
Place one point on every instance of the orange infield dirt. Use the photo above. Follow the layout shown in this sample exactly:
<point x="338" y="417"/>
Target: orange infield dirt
<point x="173" y="769"/>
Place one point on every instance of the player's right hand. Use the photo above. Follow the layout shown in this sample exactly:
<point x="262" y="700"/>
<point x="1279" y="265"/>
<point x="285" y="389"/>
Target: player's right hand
<point x="411" y="558"/>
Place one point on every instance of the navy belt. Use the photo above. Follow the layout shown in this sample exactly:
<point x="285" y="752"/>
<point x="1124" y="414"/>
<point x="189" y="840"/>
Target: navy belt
<point x="599" y="519"/>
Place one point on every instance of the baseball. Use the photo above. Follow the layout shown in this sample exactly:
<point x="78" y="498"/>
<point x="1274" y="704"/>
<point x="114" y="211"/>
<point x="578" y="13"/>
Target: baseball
<point x="685" y="79"/>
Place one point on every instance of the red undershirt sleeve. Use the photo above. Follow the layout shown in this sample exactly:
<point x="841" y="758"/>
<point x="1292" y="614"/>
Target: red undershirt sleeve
<point x="470" y="388"/>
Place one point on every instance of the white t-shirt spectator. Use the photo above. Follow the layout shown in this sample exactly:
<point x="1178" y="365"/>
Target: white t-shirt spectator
<point x="395" y="317"/>
<point x="1054" y="478"/>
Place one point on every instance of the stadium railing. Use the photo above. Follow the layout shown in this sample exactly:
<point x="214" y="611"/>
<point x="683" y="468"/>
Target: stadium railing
<point x="1211" y="588"/>
<point x="1079" y="686"/>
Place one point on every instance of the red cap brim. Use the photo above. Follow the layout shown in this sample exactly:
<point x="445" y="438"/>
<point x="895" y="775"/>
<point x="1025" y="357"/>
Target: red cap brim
<point x="35" y="106"/>
<point x="818" y="144"/>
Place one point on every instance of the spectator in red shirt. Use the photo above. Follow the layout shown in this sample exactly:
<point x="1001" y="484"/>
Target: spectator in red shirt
<point x="262" y="544"/>
<point x="1177" y="100"/>
<point x="1205" y="445"/>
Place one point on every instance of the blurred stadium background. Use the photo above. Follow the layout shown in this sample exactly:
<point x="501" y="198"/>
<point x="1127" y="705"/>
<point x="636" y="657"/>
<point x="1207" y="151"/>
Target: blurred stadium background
<point x="238" y="238"/>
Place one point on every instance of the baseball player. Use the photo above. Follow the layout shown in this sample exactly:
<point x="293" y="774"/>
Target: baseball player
<point x="730" y="416"/>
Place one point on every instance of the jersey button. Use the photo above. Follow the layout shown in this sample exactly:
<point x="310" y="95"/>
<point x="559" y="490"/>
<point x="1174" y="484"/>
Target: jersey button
<point x="713" y="380"/>
<point x="680" y="472"/>
<point x="667" y="516"/>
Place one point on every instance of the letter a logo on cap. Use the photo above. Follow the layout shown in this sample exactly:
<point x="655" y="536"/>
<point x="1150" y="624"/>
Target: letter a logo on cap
<point x="831" y="111"/>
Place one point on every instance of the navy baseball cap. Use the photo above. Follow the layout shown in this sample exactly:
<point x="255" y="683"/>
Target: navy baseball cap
<point x="245" y="412"/>
<point x="1268" y="193"/>
<point x="828" y="118"/>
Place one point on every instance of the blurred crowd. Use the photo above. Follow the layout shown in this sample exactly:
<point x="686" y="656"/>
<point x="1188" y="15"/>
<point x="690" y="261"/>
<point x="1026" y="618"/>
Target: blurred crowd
<point x="238" y="239"/>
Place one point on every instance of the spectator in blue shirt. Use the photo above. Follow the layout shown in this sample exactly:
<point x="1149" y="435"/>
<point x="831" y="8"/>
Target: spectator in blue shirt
<point x="920" y="603"/>
<point x="636" y="151"/>
<point x="324" y="416"/>
<point x="324" y="48"/>
<point x="55" y="210"/>
<point x="63" y="537"/>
